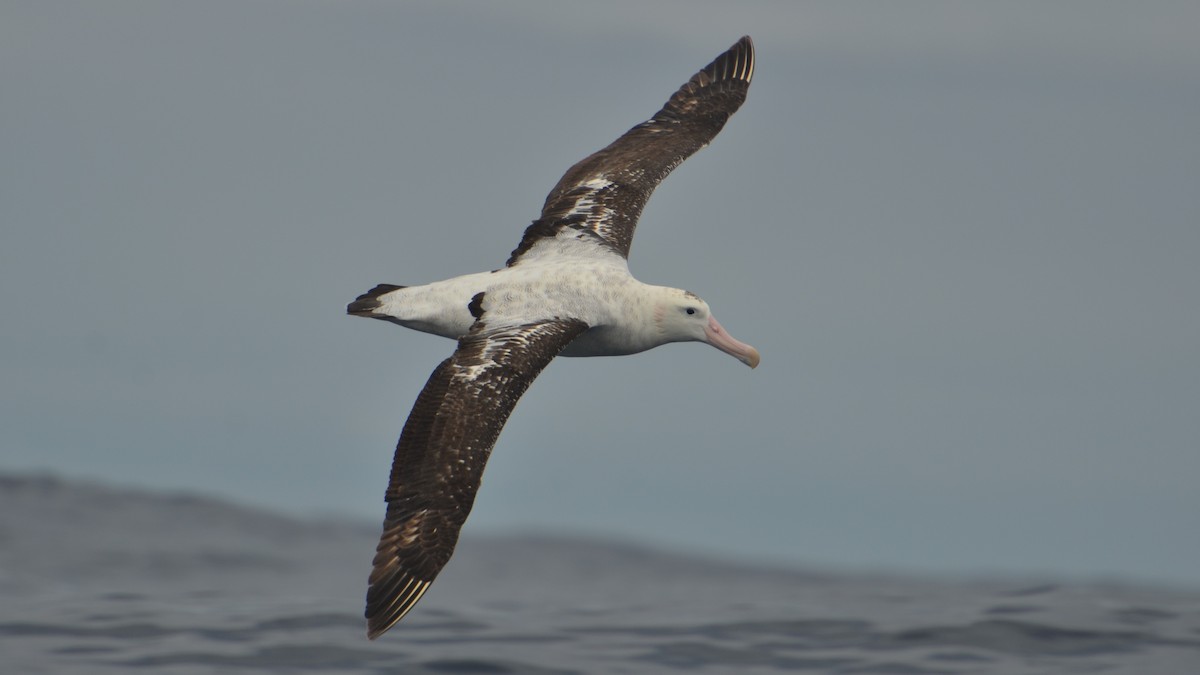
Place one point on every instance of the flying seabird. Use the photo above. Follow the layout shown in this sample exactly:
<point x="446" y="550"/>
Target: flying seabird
<point x="566" y="289"/>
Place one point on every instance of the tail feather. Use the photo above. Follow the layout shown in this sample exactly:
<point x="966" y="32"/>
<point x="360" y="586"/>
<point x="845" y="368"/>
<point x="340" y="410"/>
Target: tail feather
<point x="367" y="303"/>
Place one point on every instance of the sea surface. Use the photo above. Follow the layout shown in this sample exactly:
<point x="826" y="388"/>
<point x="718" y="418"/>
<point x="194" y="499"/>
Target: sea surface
<point x="104" y="580"/>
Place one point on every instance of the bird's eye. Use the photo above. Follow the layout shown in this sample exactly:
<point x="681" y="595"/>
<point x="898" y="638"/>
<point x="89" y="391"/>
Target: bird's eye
<point x="691" y="310"/>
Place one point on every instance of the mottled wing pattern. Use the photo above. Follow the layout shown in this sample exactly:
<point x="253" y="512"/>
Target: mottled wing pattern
<point x="604" y="194"/>
<point x="442" y="451"/>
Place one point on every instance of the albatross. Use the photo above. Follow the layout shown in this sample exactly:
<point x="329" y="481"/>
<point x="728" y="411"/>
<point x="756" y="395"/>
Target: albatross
<point x="565" y="290"/>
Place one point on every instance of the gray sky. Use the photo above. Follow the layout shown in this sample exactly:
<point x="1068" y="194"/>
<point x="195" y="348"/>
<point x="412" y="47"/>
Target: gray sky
<point x="963" y="236"/>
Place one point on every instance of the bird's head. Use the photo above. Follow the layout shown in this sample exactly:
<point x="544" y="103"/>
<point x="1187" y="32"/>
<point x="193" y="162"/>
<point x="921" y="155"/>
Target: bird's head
<point x="682" y="317"/>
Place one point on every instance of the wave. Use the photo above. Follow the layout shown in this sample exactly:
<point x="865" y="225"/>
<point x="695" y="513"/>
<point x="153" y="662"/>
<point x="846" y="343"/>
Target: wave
<point x="99" y="579"/>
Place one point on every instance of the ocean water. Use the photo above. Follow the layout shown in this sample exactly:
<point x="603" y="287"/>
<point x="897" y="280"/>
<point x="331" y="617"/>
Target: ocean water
<point x="102" y="580"/>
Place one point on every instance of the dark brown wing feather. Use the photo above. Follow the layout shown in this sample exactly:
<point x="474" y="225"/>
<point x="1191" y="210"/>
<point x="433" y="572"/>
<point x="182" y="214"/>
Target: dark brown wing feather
<point x="442" y="451"/>
<point x="605" y="193"/>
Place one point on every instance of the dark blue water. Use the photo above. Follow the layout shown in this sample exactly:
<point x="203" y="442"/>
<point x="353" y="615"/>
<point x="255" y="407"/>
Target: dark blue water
<point x="97" y="580"/>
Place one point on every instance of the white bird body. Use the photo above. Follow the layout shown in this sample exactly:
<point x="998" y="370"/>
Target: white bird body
<point x="531" y="291"/>
<point x="624" y="316"/>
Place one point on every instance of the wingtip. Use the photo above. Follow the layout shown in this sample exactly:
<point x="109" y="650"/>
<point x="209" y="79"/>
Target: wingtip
<point x="734" y="64"/>
<point x="388" y="602"/>
<point x="742" y="52"/>
<point x="381" y="623"/>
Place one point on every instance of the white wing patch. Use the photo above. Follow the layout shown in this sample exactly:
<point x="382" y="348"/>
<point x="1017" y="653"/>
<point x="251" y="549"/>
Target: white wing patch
<point x="492" y="355"/>
<point x="591" y="218"/>
<point x="587" y="205"/>
<point x="594" y="211"/>
<point x="571" y="242"/>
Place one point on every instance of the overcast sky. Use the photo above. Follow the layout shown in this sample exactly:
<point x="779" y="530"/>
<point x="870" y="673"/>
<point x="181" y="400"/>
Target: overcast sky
<point x="964" y="237"/>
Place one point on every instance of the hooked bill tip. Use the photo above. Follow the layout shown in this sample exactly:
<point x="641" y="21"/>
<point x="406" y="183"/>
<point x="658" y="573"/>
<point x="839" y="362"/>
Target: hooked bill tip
<point x="752" y="358"/>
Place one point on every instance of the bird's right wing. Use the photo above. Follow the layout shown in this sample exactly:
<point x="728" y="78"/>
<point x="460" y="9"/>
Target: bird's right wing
<point x="441" y="455"/>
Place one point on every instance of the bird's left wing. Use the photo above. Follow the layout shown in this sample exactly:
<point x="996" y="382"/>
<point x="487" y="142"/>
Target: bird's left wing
<point x="600" y="199"/>
<point x="442" y="451"/>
